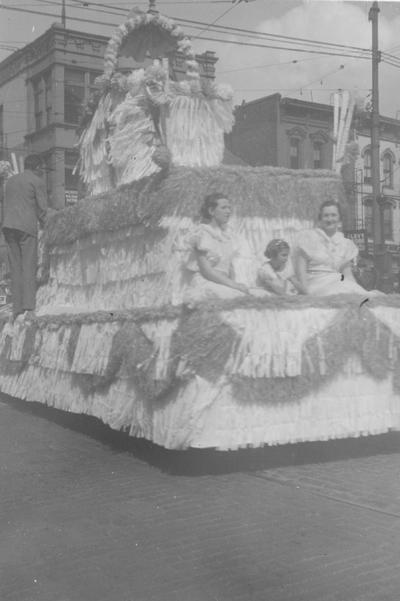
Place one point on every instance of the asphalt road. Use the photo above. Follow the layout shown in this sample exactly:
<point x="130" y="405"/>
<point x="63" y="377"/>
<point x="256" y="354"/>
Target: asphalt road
<point x="91" y="515"/>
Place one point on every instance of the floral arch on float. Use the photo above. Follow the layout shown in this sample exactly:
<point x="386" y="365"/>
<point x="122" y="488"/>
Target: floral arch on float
<point x="113" y="337"/>
<point x="141" y="121"/>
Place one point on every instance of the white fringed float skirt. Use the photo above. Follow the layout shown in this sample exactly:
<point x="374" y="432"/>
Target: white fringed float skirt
<point x="228" y="378"/>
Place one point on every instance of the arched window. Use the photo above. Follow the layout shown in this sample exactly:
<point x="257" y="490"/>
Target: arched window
<point x="319" y="141"/>
<point x="296" y="136"/>
<point x="294" y="153"/>
<point x="388" y="169"/>
<point x="367" y="167"/>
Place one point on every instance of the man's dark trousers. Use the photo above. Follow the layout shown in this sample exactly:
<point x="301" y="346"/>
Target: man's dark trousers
<point x="22" y="248"/>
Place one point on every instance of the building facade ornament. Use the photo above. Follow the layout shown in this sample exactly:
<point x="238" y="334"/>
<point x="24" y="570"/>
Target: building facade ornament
<point x="297" y="132"/>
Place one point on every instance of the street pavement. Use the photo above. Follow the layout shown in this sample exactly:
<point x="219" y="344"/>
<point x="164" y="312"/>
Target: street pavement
<point x="88" y="514"/>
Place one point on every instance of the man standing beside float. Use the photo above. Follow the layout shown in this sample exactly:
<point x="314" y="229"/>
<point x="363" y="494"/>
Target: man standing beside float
<point x="25" y="204"/>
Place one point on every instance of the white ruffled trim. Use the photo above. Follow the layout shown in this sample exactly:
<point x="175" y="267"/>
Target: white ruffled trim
<point x="114" y="270"/>
<point x="204" y="415"/>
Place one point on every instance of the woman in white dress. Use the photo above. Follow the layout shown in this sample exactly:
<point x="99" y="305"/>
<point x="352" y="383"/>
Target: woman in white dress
<point x="324" y="257"/>
<point x="212" y="254"/>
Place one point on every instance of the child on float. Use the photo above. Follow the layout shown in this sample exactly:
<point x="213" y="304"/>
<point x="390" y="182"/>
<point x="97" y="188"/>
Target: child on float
<point x="276" y="274"/>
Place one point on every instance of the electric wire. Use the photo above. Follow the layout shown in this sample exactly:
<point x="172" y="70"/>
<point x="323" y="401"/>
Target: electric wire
<point x="215" y="21"/>
<point x="238" y="31"/>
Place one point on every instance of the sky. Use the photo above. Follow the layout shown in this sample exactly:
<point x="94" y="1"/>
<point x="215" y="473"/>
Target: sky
<point x="252" y="72"/>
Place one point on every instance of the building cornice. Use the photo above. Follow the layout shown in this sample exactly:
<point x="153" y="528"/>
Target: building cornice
<point x="57" y="37"/>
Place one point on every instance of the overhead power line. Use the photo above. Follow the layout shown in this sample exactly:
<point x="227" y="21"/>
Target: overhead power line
<point x="221" y="29"/>
<point x="280" y="63"/>
<point x="254" y="45"/>
<point x="226" y="28"/>
<point x="274" y="35"/>
<point x="94" y="6"/>
<point x="55" y="16"/>
<point x="307" y="46"/>
<point x="235" y="42"/>
<point x="217" y="19"/>
<point x="250" y="33"/>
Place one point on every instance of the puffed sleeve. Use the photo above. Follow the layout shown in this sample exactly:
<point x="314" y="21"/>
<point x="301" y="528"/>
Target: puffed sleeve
<point x="198" y="242"/>
<point x="305" y="243"/>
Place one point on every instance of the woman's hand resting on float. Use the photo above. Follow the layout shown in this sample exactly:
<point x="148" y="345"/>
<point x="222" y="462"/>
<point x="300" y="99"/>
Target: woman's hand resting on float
<point x="242" y="287"/>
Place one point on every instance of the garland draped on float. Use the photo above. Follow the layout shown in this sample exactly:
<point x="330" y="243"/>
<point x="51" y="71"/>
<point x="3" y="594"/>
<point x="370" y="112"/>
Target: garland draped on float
<point x="201" y="343"/>
<point x="264" y="192"/>
<point x="150" y="39"/>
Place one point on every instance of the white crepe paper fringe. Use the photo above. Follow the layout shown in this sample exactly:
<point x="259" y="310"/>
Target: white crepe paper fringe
<point x="111" y="270"/>
<point x="160" y="333"/>
<point x="133" y="140"/>
<point x="271" y="342"/>
<point x="94" y="167"/>
<point x="195" y="130"/>
<point x="201" y="414"/>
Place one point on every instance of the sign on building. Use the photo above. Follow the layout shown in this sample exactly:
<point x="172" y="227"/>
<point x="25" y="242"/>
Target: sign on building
<point x="359" y="237"/>
<point x="71" y="197"/>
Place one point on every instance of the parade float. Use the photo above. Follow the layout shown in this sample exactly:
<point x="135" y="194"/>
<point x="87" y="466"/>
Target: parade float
<point x="113" y="337"/>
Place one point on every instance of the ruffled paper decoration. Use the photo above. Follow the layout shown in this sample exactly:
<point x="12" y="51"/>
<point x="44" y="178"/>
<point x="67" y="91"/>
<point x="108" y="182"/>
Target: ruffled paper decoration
<point x="148" y="34"/>
<point x="195" y="130"/>
<point x="132" y="141"/>
<point x="189" y="118"/>
<point x="94" y="164"/>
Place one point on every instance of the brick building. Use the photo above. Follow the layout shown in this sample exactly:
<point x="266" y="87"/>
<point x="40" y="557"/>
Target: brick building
<point x="285" y="132"/>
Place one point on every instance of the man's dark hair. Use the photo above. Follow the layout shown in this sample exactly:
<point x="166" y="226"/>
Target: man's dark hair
<point x="32" y="162"/>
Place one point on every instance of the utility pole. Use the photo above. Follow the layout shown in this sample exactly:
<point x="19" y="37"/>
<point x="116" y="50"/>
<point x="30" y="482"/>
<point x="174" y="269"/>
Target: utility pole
<point x="63" y="14"/>
<point x="380" y="254"/>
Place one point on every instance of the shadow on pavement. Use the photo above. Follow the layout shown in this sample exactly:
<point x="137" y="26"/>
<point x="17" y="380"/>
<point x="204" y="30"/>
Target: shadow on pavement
<point x="197" y="462"/>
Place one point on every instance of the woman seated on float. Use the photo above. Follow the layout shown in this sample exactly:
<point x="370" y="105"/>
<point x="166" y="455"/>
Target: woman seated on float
<point x="324" y="257"/>
<point x="276" y="274"/>
<point x="213" y="251"/>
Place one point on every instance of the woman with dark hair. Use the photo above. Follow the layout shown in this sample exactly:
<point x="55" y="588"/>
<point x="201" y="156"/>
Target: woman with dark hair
<point x="276" y="273"/>
<point x="213" y="251"/>
<point x="324" y="257"/>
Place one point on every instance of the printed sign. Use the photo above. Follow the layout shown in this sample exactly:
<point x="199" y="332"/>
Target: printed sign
<point x="71" y="197"/>
<point x="359" y="237"/>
